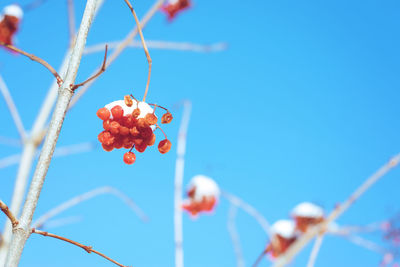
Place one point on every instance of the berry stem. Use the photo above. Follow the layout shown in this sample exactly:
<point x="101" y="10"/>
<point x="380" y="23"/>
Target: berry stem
<point x="158" y="127"/>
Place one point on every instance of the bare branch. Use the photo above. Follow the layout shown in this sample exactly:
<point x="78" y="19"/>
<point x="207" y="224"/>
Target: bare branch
<point x="37" y="59"/>
<point x="21" y="233"/>
<point x="312" y="232"/>
<point x="71" y="21"/>
<point x="121" y="47"/>
<point x="86" y="196"/>
<point x="101" y="70"/>
<point x="9" y="214"/>
<point x="178" y="180"/>
<point x="315" y="250"/>
<point x="235" y="235"/>
<point x="88" y="249"/>
<point x="59" y="152"/>
<point x="146" y="50"/>
<point x="166" y="45"/>
<point x="13" y="109"/>
<point x="249" y="210"/>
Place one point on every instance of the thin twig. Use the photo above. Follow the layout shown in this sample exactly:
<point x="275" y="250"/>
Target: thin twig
<point x="295" y="248"/>
<point x="21" y="233"/>
<point x="121" y="47"/>
<point x="9" y="214"/>
<point x="259" y="258"/>
<point x="86" y="196"/>
<point x="37" y="59"/>
<point x="59" y="152"/>
<point x="101" y="70"/>
<point x="235" y="236"/>
<point x="315" y="250"/>
<point x="366" y="244"/>
<point x="71" y="22"/>
<point x="178" y="180"/>
<point x="88" y="249"/>
<point x="12" y="108"/>
<point x="146" y="50"/>
<point x="249" y="210"/>
<point x="166" y="45"/>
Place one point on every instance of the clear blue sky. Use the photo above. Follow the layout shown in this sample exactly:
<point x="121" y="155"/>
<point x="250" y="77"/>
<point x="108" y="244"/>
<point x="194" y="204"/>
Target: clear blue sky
<point x="303" y="106"/>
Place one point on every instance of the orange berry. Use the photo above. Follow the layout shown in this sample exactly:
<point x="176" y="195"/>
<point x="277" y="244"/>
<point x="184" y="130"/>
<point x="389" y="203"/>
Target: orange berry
<point x="129" y="121"/>
<point x="151" y="140"/>
<point x="164" y="146"/>
<point x="123" y="130"/>
<point x="107" y="148"/>
<point x="134" y="131"/>
<point x="129" y="158"/>
<point x="103" y="114"/>
<point x="117" y="112"/>
<point x="127" y="142"/>
<point x="114" y="127"/>
<point x="141" y="148"/>
<point x="106" y="138"/>
<point x="136" y="112"/>
<point x="145" y="132"/>
<point x="128" y="100"/>
<point x="106" y="125"/>
<point x="150" y="118"/>
<point x="118" y="143"/>
<point x="166" y="118"/>
<point x="142" y="123"/>
<point x="137" y="141"/>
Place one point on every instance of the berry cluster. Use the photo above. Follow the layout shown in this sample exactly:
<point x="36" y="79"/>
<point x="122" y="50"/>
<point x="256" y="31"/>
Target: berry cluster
<point x="9" y="22"/>
<point x="173" y="7"/>
<point x="130" y="124"/>
<point x="286" y="232"/>
<point x="203" y="193"/>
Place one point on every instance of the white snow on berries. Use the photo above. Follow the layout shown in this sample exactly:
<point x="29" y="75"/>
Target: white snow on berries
<point x="143" y="107"/>
<point x="205" y="187"/>
<point x="308" y="210"/>
<point x="14" y="11"/>
<point x="284" y="228"/>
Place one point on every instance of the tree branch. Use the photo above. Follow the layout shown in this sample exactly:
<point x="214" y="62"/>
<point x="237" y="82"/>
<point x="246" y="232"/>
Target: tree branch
<point x="235" y="236"/>
<point x="101" y="70"/>
<point x="88" y="249"/>
<point x="118" y="50"/>
<point x="37" y="59"/>
<point x="21" y="233"/>
<point x="86" y="196"/>
<point x="178" y="181"/>
<point x="167" y="45"/>
<point x="71" y="21"/>
<point x="12" y="108"/>
<point x="295" y="248"/>
<point x="315" y="250"/>
<point x="9" y="214"/>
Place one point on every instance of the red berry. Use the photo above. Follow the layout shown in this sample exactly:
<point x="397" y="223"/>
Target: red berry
<point x="166" y="118"/>
<point x="136" y="112"/>
<point x="118" y="143"/>
<point x="141" y="148"/>
<point x="107" y="148"/>
<point x="129" y="158"/>
<point x="151" y="140"/>
<point x="117" y="112"/>
<point x="106" y="125"/>
<point x="129" y="121"/>
<point x="134" y="131"/>
<point x="150" y="118"/>
<point x="142" y="123"/>
<point x="103" y="114"/>
<point x="164" y="146"/>
<point x="123" y="130"/>
<point x="106" y="138"/>
<point x="114" y="127"/>
<point x="145" y="132"/>
<point x="138" y="141"/>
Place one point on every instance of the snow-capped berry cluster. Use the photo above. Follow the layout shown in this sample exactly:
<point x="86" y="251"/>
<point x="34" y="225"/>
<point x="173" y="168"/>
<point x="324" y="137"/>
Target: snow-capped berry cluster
<point x="284" y="234"/>
<point x="307" y="214"/>
<point x="9" y="23"/>
<point x="203" y="193"/>
<point x="130" y="124"/>
<point x="173" y="7"/>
